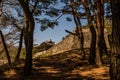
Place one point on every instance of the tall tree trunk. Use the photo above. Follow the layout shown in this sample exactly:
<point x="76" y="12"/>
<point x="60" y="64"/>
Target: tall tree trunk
<point x="115" y="55"/>
<point x="93" y="34"/>
<point x="78" y="27"/>
<point x="20" y="46"/>
<point x="5" y="48"/>
<point x="100" y="32"/>
<point x="28" y="35"/>
<point x="104" y="47"/>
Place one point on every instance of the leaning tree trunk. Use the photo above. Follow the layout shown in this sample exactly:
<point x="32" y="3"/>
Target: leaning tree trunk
<point x="5" y="48"/>
<point x="93" y="34"/>
<point x="78" y="27"/>
<point x="115" y="55"/>
<point x="4" y="44"/>
<point x="20" y="46"/>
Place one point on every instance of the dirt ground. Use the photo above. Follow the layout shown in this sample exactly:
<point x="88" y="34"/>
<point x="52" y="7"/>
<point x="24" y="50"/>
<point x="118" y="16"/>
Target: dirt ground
<point x="63" y="66"/>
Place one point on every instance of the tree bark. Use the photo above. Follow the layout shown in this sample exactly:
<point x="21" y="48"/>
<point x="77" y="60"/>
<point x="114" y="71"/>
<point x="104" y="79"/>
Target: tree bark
<point x="115" y="55"/>
<point x="104" y="47"/>
<point x="5" y="48"/>
<point x="100" y="32"/>
<point x="20" y="46"/>
<point x="78" y="31"/>
<point x="93" y="34"/>
<point x="28" y="35"/>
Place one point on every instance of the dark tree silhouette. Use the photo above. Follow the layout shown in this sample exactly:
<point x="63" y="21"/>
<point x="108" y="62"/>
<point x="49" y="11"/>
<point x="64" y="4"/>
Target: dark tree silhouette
<point x="28" y="35"/>
<point x="93" y="34"/>
<point x="5" y="48"/>
<point x="78" y="26"/>
<point x="115" y="55"/>
<point x="20" y="46"/>
<point x="100" y="30"/>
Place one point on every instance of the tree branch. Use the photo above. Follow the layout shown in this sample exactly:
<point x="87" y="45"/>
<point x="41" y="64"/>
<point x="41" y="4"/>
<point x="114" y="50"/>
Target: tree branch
<point x="35" y="6"/>
<point x="24" y="6"/>
<point x="70" y="32"/>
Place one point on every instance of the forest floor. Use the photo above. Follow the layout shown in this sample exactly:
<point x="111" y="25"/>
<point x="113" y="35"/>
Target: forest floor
<point x="63" y="66"/>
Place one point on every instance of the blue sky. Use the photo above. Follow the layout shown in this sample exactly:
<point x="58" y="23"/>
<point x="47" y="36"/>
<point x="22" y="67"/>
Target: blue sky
<point x="55" y="34"/>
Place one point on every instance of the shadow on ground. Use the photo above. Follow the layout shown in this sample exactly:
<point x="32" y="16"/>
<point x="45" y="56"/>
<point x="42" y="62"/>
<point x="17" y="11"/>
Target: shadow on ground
<point x="63" y="66"/>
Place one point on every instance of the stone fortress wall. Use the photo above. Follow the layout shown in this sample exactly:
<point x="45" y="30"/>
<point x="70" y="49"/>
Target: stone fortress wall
<point x="71" y="42"/>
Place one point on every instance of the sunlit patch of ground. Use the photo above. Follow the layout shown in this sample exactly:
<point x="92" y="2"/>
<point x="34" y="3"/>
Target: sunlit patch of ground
<point x="10" y="73"/>
<point x="101" y="73"/>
